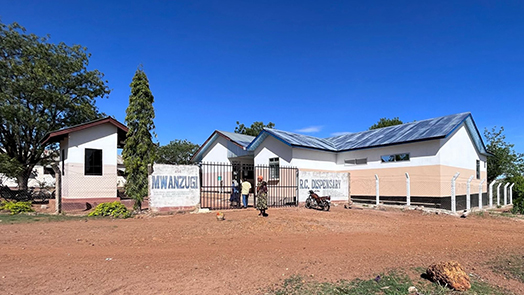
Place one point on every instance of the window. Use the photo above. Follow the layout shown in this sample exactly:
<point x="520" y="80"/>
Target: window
<point x="478" y="169"/>
<point x="49" y="171"/>
<point x="395" y="158"/>
<point x="93" y="162"/>
<point x="274" y="168"/>
<point x="362" y="161"/>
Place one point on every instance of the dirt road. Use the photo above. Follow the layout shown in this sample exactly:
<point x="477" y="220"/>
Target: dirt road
<point x="245" y="254"/>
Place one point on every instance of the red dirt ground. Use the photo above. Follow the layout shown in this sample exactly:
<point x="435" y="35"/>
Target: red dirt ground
<point x="245" y="254"/>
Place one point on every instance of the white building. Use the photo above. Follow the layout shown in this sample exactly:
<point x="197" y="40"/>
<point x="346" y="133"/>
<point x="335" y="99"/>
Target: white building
<point x="430" y="152"/>
<point x="88" y="161"/>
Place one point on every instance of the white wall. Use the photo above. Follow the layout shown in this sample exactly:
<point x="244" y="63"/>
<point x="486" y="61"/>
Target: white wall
<point x="459" y="151"/>
<point x="99" y="137"/>
<point x="271" y="148"/>
<point x="314" y="159"/>
<point x="423" y="153"/>
<point x="168" y="194"/>
<point x="217" y="152"/>
<point x="334" y="184"/>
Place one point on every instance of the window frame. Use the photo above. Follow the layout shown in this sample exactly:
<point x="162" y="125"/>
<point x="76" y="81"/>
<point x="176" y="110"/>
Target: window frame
<point x="355" y="161"/>
<point x="477" y="168"/>
<point x="394" y="158"/>
<point x="88" y="152"/>
<point x="274" y="168"/>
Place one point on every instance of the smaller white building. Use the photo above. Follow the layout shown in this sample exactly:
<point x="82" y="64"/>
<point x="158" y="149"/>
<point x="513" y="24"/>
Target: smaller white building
<point x="88" y="161"/>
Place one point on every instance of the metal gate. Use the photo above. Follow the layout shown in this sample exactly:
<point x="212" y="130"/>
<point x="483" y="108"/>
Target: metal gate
<point x="217" y="179"/>
<point x="282" y="184"/>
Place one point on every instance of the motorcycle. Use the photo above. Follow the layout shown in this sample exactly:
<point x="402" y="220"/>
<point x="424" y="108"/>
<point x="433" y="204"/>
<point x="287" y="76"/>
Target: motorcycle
<point x="313" y="201"/>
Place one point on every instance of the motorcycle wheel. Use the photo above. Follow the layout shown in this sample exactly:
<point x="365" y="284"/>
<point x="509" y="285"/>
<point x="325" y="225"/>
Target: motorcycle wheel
<point x="326" y="206"/>
<point x="308" y="203"/>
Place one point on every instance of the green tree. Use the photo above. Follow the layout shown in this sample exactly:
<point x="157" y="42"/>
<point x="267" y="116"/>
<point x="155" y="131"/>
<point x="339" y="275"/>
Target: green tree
<point x="385" y="122"/>
<point x="9" y="166"/>
<point x="255" y="128"/>
<point x="43" y="87"/>
<point x="139" y="149"/>
<point x="177" y="152"/>
<point x="504" y="162"/>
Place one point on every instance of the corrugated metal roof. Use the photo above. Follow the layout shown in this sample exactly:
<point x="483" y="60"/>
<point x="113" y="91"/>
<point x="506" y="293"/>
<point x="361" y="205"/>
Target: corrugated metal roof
<point x="302" y="140"/>
<point x="242" y="139"/>
<point x="409" y="132"/>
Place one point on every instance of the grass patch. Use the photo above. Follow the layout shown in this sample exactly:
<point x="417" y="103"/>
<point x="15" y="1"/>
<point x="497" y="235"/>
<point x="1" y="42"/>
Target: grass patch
<point x="30" y="218"/>
<point x="511" y="267"/>
<point x="392" y="283"/>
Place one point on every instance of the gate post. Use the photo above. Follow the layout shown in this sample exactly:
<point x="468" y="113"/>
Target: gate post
<point x="453" y="196"/>
<point x="377" y="189"/>
<point x="58" y="188"/>
<point x="297" y="191"/>
<point x="511" y="193"/>
<point x="468" y="194"/>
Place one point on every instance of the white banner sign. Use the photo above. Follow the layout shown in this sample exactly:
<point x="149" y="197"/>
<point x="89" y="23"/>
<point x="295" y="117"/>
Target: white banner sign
<point x="331" y="184"/>
<point x="174" y="186"/>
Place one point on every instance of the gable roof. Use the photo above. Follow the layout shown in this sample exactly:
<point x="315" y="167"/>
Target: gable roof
<point x="429" y="129"/>
<point x="56" y="136"/>
<point x="240" y="140"/>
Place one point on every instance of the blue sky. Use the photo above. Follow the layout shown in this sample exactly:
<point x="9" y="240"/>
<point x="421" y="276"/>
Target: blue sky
<point x="316" y="67"/>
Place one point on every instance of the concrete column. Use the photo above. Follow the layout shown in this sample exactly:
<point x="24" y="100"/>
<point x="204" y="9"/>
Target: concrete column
<point x="480" y="193"/>
<point x="506" y="194"/>
<point x="498" y="194"/>
<point x="453" y="196"/>
<point x="511" y="193"/>
<point x="58" y="188"/>
<point x="468" y="193"/>
<point x="491" y="193"/>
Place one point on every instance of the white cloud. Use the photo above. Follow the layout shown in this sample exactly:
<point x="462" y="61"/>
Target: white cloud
<point x="311" y="129"/>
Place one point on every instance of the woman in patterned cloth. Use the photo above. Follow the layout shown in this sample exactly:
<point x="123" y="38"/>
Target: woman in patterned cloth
<point x="262" y="196"/>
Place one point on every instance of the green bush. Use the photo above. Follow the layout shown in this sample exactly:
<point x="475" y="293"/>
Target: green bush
<point x="16" y="207"/>
<point x="518" y="206"/>
<point x="114" y="209"/>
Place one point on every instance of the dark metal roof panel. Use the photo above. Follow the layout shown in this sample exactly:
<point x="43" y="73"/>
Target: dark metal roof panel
<point x="302" y="140"/>
<point x="408" y="132"/>
<point x="242" y="139"/>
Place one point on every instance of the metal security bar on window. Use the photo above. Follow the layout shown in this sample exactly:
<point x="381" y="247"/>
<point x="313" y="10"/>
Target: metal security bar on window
<point x="274" y="171"/>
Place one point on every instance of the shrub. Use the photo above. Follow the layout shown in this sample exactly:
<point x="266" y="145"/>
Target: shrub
<point x="518" y="206"/>
<point x="16" y="207"/>
<point x="114" y="209"/>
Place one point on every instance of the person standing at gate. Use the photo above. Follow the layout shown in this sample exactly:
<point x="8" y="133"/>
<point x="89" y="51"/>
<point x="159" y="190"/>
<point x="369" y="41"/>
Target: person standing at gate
<point x="262" y="196"/>
<point x="246" y="186"/>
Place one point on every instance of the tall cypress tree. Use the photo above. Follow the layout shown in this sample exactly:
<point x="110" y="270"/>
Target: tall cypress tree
<point x="139" y="149"/>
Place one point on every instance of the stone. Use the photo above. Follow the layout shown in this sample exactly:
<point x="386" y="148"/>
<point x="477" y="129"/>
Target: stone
<point x="449" y="273"/>
<point x="412" y="290"/>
